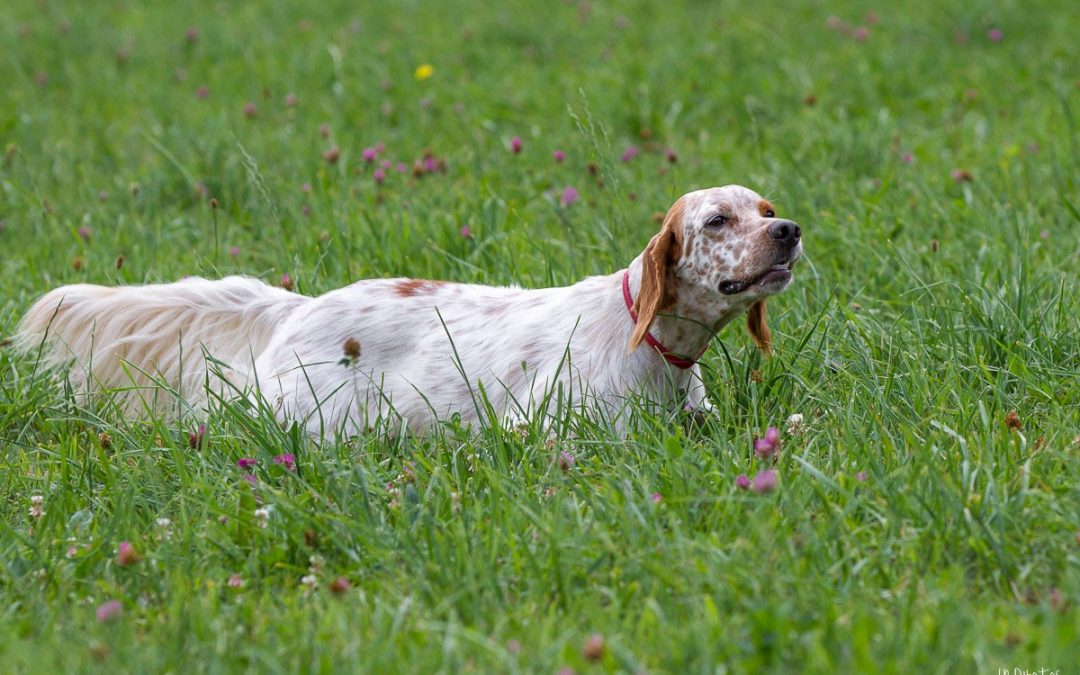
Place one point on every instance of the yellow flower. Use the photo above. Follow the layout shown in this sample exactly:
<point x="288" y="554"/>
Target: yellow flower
<point x="424" y="71"/>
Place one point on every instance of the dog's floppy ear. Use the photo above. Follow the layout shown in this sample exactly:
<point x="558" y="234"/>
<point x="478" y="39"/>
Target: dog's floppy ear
<point x="759" y="330"/>
<point x="657" y="273"/>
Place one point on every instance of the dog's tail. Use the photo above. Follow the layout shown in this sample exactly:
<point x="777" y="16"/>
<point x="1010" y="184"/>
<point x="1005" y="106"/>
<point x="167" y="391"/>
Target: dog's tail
<point x="131" y="338"/>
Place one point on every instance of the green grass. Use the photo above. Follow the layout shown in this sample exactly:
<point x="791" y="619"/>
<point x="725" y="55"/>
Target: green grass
<point x="927" y="309"/>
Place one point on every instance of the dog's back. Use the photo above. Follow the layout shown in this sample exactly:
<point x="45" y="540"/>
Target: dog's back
<point x="133" y="337"/>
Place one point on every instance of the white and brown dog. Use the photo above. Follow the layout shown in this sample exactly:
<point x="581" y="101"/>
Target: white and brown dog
<point x="418" y="351"/>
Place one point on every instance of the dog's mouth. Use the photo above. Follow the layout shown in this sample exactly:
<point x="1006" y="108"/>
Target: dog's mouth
<point x="776" y="276"/>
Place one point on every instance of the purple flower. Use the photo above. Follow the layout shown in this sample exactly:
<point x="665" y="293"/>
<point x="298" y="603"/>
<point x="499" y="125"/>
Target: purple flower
<point x="994" y="35"/>
<point x="202" y="92"/>
<point x="379" y="175"/>
<point x="380" y="147"/>
<point x="246" y="462"/>
<point x="401" y="167"/>
<point x="569" y="197"/>
<point x="126" y="555"/>
<point x="630" y="153"/>
<point x="234" y="251"/>
<point x="861" y="476"/>
<point x="305" y="188"/>
<point x="742" y="482"/>
<point x="431" y="165"/>
<point x="290" y="100"/>
<point x="566" y="461"/>
<point x="764" y="481"/>
<point x="466" y="233"/>
<point x="286" y="460"/>
<point x="559" y="156"/>
<point x="386" y="165"/>
<point x="907" y="158"/>
<point x="250" y="110"/>
<point x="369" y="154"/>
<point x="862" y="34"/>
<point x="286" y="282"/>
<point x="769" y="445"/>
<point x="85" y="233"/>
<point x="515" y="145"/>
<point x="109" y="611"/>
<point x="196" y="438"/>
<point x="656" y="498"/>
<point x="250" y="478"/>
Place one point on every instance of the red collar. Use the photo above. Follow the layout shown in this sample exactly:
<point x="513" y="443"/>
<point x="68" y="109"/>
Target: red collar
<point x="669" y="356"/>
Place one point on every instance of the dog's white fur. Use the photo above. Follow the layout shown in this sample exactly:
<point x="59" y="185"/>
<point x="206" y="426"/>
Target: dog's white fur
<point x="429" y="349"/>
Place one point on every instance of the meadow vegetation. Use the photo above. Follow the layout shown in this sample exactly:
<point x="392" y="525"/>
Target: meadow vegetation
<point x="926" y="513"/>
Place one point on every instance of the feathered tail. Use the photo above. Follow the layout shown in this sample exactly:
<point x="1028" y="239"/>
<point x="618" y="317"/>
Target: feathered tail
<point x="133" y="337"/>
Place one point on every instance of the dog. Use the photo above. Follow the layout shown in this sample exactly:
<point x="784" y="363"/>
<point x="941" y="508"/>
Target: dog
<point x="418" y="351"/>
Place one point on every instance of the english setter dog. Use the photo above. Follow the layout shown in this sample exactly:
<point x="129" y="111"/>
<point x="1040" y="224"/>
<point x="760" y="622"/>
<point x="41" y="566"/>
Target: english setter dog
<point x="417" y="351"/>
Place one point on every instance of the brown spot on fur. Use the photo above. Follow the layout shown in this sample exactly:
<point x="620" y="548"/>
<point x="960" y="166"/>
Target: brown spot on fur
<point x="407" y="288"/>
<point x="657" y="276"/>
<point x="764" y="207"/>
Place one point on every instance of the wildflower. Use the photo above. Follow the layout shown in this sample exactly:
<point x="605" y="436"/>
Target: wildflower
<point x="794" y="424"/>
<point x="37" y="506"/>
<point x="249" y="110"/>
<point x="833" y="22"/>
<point x="262" y="516"/>
<point x="380" y="147"/>
<point x="235" y="582"/>
<point x="290" y="100"/>
<point x="907" y="158"/>
<point x="191" y="35"/>
<point x="656" y="498"/>
<point x="569" y="197"/>
<point x="324" y="130"/>
<point x="234" y="251"/>
<point x="861" y="34"/>
<point x="85" y="233"/>
<point x="742" y="482"/>
<point x="764" y="481"/>
<point x="163" y="522"/>
<point x="369" y="155"/>
<point x="196" y="438"/>
<point x="287" y="460"/>
<point x="861" y="476"/>
<point x="630" y="153"/>
<point x="332" y="155"/>
<point x="559" y="156"/>
<point x="1044" y="234"/>
<point x="515" y="145"/>
<point x="351" y="349"/>
<point x="286" y="282"/>
<point x="872" y="18"/>
<point x="961" y="175"/>
<point x="431" y="165"/>
<point x="466" y="233"/>
<point x="109" y="611"/>
<point x="994" y="35"/>
<point x="246" y="462"/>
<point x="594" y="648"/>
<point x="672" y="158"/>
<point x="250" y="479"/>
<point x="424" y="71"/>
<point x="1012" y="420"/>
<point x="401" y="167"/>
<point x="769" y="445"/>
<point x="566" y="461"/>
<point x="310" y="580"/>
<point x="379" y="176"/>
<point x="72" y="552"/>
<point x="340" y="586"/>
<point x="126" y="555"/>
<point x="513" y="646"/>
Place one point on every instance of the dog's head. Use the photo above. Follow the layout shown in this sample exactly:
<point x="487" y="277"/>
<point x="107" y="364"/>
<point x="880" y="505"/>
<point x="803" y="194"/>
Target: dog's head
<point x="721" y="248"/>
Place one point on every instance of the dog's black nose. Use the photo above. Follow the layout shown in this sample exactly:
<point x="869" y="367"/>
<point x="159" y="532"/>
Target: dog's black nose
<point x="785" y="232"/>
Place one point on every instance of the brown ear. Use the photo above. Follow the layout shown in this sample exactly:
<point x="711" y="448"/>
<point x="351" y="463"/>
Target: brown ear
<point x="657" y="274"/>
<point x="759" y="330"/>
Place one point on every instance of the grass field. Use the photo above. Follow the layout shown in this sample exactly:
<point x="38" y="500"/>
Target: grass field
<point x="930" y="154"/>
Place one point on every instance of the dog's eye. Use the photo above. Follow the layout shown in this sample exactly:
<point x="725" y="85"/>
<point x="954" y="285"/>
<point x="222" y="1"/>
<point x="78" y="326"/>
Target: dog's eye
<point x="717" y="221"/>
<point x="769" y="213"/>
